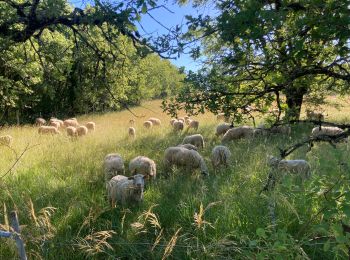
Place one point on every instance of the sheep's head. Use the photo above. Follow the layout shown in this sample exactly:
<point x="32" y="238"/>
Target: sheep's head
<point x="272" y="161"/>
<point x="138" y="186"/>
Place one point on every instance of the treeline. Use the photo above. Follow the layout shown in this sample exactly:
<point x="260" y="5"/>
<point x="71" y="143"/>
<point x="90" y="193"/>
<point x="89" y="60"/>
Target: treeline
<point x="69" y="72"/>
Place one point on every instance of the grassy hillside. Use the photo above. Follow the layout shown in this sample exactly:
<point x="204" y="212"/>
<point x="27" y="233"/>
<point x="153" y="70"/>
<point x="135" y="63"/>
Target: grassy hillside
<point x="58" y="190"/>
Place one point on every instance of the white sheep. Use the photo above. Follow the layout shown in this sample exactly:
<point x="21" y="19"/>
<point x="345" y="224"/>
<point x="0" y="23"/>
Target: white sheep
<point x="113" y="165"/>
<point x="238" y="133"/>
<point x="182" y="119"/>
<point x="220" y="155"/>
<point x="193" y="124"/>
<point x="40" y="121"/>
<point x="71" y="131"/>
<point x="148" y="124"/>
<point x="70" y="122"/>
<point x="124" y="189"/>
<point x="178" y="126"/>
<point x="132" y="132"/>
<point x="326" y="130"/>
<point x="143" y="165"/>
<point x="55" y="124"/>
<point x="196" y="139"/>
<point x="172" y="121"/>
<point x="48" y="130"/>
<point x="90" y="126"/>
<point x="300" y="167"/>
<point x="155" y="121"/>
<point x="281" y="129"/>
<point x="82" y="130"/>
<point x="223" y="128"/>
<point x="188" y="120"/>
<point x="182" y="157"/>
<point x="6" y="140"/>
<point x="188" y="146"/>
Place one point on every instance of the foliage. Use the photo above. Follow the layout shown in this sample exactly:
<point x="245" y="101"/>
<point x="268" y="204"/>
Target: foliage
<point x="257" y="52"/>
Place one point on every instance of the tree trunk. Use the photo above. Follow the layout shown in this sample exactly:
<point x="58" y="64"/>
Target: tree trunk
<point x="294" y="100"/>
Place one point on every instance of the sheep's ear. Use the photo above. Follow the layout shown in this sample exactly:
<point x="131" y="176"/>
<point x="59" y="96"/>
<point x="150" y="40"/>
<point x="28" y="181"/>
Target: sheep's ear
<point x="131" y="178"/>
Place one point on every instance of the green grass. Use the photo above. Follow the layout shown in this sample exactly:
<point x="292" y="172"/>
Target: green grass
<point x="70" y="217"/>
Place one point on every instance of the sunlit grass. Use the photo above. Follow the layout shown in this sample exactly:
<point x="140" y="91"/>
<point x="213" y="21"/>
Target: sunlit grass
<point x="67" y="175"/>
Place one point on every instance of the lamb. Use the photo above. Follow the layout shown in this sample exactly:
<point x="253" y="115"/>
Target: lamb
<point x="90" y="126"/>
<point x="124" y="189"/>
<point x="71" y="131"/>
<point x="155" y="121"/>
<point x="197" y="140"/>
<point x="6" y="140"/>
<point x="188" y="146"/>
<point x="182" y="119"/>
<point x="182" y="157"/>
<point x="326" y="130"/>
<point x="48" y="130"/>
<point x="172" y="121"/>
<point x="223" y="128"/>
<point x="313" y="115"/>
<point x="194" y="124"/>
<point x="70" y="122"/>
<point x="113" y="165"/>
<point x="188" y="121"/>
<point x="148" y="124"/>
<point x="178" y="126"/>
<point x="300" y="167"/>
<point x="220" y="155"/>
<point x="132" y="132"/>
<point x="40" y="121"/>
<point x="238" y="133"/>
<point x="143" y="165"/>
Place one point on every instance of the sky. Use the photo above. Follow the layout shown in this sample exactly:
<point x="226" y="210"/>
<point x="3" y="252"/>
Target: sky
<point x="171" y="19"/>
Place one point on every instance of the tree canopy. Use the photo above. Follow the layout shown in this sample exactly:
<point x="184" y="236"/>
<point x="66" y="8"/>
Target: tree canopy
<point x="265" y="54"/>
<point x="59" y="60"/>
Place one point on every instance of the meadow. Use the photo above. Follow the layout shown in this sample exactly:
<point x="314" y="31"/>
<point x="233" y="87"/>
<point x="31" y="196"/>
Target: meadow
<point x="58" y="189"/>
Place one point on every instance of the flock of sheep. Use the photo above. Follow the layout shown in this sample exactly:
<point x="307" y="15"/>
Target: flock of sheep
<point x="123" y="189"/>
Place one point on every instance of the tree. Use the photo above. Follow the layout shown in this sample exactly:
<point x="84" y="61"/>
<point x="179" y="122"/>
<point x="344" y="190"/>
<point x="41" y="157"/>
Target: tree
<point x="264" y="53"/>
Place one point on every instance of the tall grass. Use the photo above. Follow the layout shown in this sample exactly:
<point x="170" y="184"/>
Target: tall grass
<point x="58" y="190"/>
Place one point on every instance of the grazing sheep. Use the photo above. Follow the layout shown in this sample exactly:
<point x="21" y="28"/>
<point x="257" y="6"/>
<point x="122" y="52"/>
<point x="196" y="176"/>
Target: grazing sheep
<point x="6" y="140"/>
<point x="113" y="165"/>
<point x="55" y="120"/>
<point x="143" y="165"/>
<point x="124" y="189"/>
<point x="326" y="130"/>
<point x="182" y="157"/>
<point x="281" y="129"/>
<point x="300" y="167"/>
<point x="55" y="124"/>
<point x="155" y="121"/>
<point x="194" y="124"/>
<point x="220" y="155"/>
<point x="197" y="140"/>
<point x="172" y="121"/>
<point x="90" y="126"/>
<point x="148" y="124"/>
<point x="188" y="146"/>
<point x="223" y="128"/>
<point x="238" y="133"/>
<point x="82" y="130"/>
<point x="40" y="121"/>
<point x="71" y="131"/>
<point x="178" y="125"/>
<point x="131" y="122"/>
<point x="132" y="132"/>
<point x="313" y="115"/>
<point x="188" y="121"/>
<point x="70" y="122"/>
<point x="48" y="130"/>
